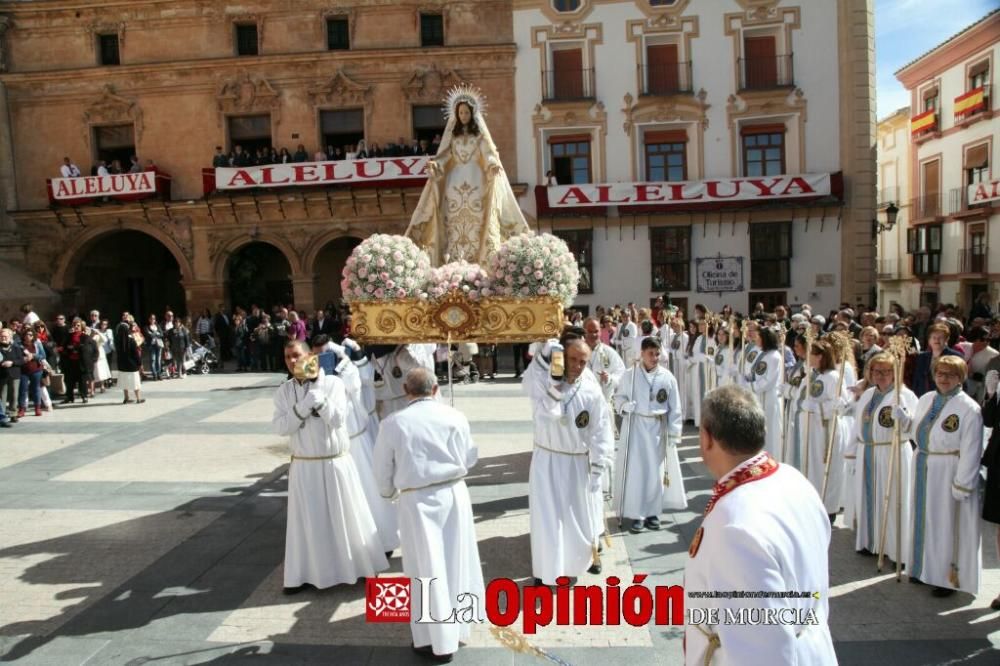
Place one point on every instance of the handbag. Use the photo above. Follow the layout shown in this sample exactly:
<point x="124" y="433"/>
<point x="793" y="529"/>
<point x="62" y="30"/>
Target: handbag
<point x="188" y="364"/>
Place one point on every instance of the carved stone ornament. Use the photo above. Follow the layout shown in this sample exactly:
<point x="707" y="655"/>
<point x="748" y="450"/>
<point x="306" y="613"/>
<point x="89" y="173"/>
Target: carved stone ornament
<point x="688" y="108"/>
<point x="739" y="106"/>
<point x="457" y="319"/>
<point x="244" y="93"/>
<point x="113" y="109"/>
<point x="428" y="85"/>
<point x="340" y="91"/>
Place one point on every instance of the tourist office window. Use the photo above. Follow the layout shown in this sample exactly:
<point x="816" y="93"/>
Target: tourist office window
<point x="770" y="255"/>
<point x="763" y="150"/>
<point x="666" y="156"/>
<point x="115" y="142"/>
<point x="670" y="258"/>
<point x="246" y="39"/>
<point x="581" y="244"/>
<point x="924" y="243"/>
<point x="428" y="123"/>
<point x="107" y="50"/>
<point x="250" y="132"/>
<point x="338" y="36"/>
<point x="342" y="128"/>
<point x="431" y="30"/>
<point x="571" y="159"/>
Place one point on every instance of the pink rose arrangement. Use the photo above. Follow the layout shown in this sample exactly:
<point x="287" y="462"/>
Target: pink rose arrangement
<point x="385" y="267"/>
<point x="535" y="265"/>
<point x="462" y="276"/>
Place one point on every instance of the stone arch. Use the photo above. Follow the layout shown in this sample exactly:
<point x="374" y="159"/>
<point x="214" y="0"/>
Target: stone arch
<point x="78" y="248"/>
<point x="235" y="244"/>
<point x="324" y="262"/>
<point x="316" y="246"/>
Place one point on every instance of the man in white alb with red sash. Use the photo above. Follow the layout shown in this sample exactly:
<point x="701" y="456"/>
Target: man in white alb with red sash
<point x="765" y="530"/>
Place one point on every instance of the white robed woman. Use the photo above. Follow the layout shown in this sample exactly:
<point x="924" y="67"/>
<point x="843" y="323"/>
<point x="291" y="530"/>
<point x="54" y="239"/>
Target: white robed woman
<point x="870" y="451"/>
<point x="467" y="207"/>
<point x="331" y="537"/>
<point x="724" y="358"/>
<point x="946" y="549"/>
<point x="823" y="430"/>
<point x="763" y="378"/>
<point x="675" y="359"/>
<point x="795" y="391"/>
<point x="648" y="469"/>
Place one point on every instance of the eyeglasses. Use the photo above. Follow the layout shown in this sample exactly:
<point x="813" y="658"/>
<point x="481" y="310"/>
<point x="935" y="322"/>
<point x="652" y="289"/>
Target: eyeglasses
<point x="945" y="375"/>
<point x="882" y="373"/>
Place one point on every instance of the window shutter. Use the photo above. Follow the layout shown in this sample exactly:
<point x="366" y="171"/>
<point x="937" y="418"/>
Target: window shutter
<point x="977" y="157"/>
<point x="665" y="136"/>
<point x="911" y="241"/>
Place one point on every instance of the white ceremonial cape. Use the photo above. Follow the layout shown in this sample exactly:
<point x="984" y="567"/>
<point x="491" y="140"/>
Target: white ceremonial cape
<point x="869" y="451"/>
<point x="794" y="392"/>
<point x="675" y="360"/>
<point x="849" y="497"/>
<point x="768" y="535"/>
<point x="763" y="378"/>
<point x="331" y="537"/>
<point x="604" y="358"/>
<point x="566" y="518"/>
<point x="362" y="434"/>
<point x="623" y="341"/>
<point x="946" y="532"/>
<point x="745" y="359"/>
<point x="424" y="452"/>
<point x="724" y="363"/>
<point x="393" y="368"/>
<point x="647" y="445"/>
<point x="819" y="413"/>
<point x="700" y="374"/>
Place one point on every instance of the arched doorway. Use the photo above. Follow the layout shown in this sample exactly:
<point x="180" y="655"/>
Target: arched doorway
<point x="127" y="270"/>
<point x="259" y="274"/>
<point x="328" y="267"/>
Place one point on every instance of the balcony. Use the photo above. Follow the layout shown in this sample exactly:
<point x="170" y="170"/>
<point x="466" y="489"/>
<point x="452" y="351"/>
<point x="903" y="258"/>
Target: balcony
<point x="766" y="73"/>
<point x="568" y="85"/>
<point x="888" y="195"/>
<point x="924" y="126"/>
<point x="670" y="79"/>
<point x="927" y="207"/>
<point x="972" y="261"/>
<point x="973" y="106"/>
<point x="887" y="269"/>
<point x="959" y="206"/>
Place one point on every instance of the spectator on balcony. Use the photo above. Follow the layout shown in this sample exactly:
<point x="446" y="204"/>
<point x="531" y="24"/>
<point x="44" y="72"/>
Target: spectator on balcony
<point x="68" y="169"/>
<point x="220" y="160"/>
<point x="375" y="150"/>
<point x="240" y="157"/>
<point x="401" y="146"/>
<point x="284" y="157"/>
<point x="349" y="152"/>
<point x="102" y="168"/>
<point x="550" y="179"/>
<point x="415" y="148"/>
<point x="259" y="157"/>
<point x="338" y="154"/>
<point x="300" y="154"/>
<point x="272" y="156"/>
<point x="361" y="151"/>
<point x="435" y="144"/>
<point x="134" y="167"/>
<point x="981" y="308"/>
<point x="115" y="168"/>
<point x="319" y="156"/>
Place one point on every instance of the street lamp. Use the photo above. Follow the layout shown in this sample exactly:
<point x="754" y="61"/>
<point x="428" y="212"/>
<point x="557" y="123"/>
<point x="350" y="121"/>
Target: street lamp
<point x="890" y="218"/>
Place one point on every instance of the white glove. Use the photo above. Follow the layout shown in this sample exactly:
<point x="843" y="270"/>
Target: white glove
<point x="307" y="403"/>
<point x="958" y="494"/>
<point x="352" y="344"/>
<point x="628" y="407"/>
<point x="844" y="408"/>
<point x="902" y="415"/>
<point x="318" y="400"/>
<point x="595" y="482"/>
<point x="992" y="381"/>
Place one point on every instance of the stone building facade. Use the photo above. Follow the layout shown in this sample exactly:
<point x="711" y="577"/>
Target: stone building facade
<point x="170" y="81"/>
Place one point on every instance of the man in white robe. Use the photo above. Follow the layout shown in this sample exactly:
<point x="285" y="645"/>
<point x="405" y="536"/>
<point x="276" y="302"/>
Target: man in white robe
<point x="423" y="453"/>
<point x="608" y="368"/>
<point x="647" y="447"/>
<point x="390" y="371"/>
<point x="627" y="332"/>
<point x="362" y="434"/>
<point x="765" y="529"/>
<point x="573" y="445"/>
<point x="331" y="537"/>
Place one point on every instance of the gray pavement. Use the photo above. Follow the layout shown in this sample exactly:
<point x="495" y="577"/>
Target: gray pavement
<point x="134" y="534"/>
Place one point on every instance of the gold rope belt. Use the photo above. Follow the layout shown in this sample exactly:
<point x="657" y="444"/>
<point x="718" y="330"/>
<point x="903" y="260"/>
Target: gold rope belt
<point x="338" y="455"/>
<point x="714" y="643"/>
<point x="562" y="453"/>
<point x="432" y="485"/>
<point x="877" y="443"/>
<point x="938" y="453"/>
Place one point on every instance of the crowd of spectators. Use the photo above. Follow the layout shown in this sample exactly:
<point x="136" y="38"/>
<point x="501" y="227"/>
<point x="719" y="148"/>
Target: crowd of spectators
<point x="69" y="169"/>
<point x="239" y="157"/>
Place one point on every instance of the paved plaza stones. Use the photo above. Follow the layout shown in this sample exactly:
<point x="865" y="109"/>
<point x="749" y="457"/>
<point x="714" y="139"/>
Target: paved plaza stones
<point x="134" y="534"/>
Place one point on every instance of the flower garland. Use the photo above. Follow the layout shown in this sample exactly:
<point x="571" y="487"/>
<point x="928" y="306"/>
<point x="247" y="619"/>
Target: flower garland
<point x="462" y="276"/>
<point x="385" y="267"/>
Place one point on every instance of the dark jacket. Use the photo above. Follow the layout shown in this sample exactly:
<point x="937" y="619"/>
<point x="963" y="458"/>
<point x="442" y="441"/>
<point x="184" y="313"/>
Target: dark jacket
<point x="14" y="354"/>
<point x="921" y="379"/>
<point x="126" y="350"/>
<point x="88" y="356"/>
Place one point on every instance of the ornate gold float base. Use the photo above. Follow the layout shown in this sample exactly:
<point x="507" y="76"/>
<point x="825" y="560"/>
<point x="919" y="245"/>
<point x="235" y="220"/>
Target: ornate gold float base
<point x="457" y="319"/>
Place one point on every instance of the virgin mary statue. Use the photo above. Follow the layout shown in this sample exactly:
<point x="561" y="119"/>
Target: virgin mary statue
<point x="467" y="207"/>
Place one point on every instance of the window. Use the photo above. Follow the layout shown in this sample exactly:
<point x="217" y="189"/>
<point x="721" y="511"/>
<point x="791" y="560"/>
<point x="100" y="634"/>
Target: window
<point x="571" y="159"/>
<point x="763" y="150"/>
<point x="666" y="156"/>
<point x="342" y="128"/>
<point x="930" y="201"/>
<point x="663" y="70"/>
<point x="979" y="75"/>
<point x="428" y="123"/>
<point x="976" y="261"/>
<point x="581" y="244"/>
<point x="246" y="39"/>
<point x="977" y="164"/>
<point x="930" y="97"/>
<point x="924" y="243"/>
<point x="568" y="80"/>
<point x="566" y="5"/>
<point x="250" y="133"/>
<point x="761" y="68"/>
<point x="107" y="50"/>
<point x="670" y="258"/>
<point x="338" y="36"/>
<point x="115" y="142"/>
<point x="431" y="30"/>
<point x="770" y="255"/>
<point x="770" y="299"/>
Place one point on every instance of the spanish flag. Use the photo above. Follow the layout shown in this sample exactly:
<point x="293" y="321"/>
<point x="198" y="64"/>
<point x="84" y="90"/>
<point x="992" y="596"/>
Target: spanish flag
<point x="970" y="102"/>
<point x="922" y="122"/>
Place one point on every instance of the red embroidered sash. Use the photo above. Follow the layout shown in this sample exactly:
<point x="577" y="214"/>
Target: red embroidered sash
<point x="749" y="474"/>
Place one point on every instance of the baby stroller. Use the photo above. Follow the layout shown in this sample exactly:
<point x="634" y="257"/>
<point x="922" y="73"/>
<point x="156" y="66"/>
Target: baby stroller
<point x="204" y="360"/>
<point x="463" y="369"/>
